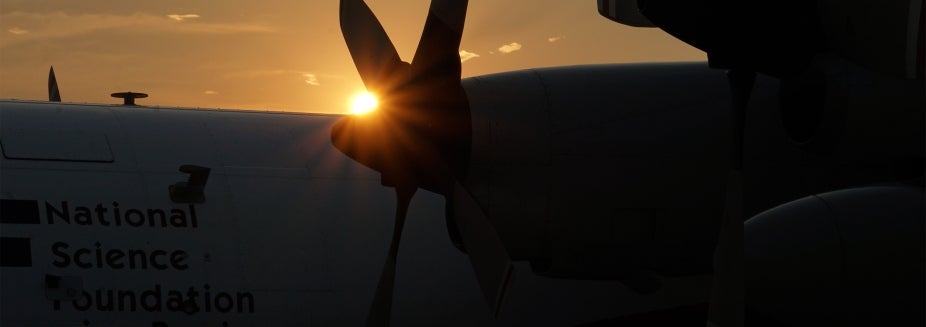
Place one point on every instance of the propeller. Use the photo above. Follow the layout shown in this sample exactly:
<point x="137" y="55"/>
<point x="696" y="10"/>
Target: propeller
<point x="420" y="137"/>
<point x="53" y="94"/>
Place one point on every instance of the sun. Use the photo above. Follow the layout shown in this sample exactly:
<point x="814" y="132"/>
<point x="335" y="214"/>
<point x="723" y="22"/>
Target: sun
<point x="363" y="103"/>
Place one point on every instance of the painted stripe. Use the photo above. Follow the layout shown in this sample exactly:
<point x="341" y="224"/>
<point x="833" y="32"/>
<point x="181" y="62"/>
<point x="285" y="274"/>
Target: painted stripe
<point x="15" y="252"/>
<point x="603" y="7"/>
<point x="19" y="212"/>
<point x="613" y="6"/>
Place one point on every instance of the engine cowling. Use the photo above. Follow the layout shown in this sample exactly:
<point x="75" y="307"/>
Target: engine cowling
<point x="630" y="183"/>
<point x="853" y="257"/>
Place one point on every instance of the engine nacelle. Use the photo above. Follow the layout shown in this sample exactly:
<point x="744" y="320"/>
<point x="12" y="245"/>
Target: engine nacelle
<point x="631" y="182"/>
<point x="846" y="258"/>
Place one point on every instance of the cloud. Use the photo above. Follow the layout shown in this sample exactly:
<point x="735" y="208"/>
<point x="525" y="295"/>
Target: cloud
<point x="311" y="79"/>
<point x="17" y="31"/>
<point x="63" y="25"/>
<point x="509" y="48"/>
<point x="210" y="92"/>
<point x="553" y="39"/>
<point x="466" y="55"/>
<point x="262" y="72"/>
<point x="182" y="17"/>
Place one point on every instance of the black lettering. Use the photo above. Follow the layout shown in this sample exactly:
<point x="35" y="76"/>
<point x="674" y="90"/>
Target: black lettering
<point x="100" y="306"/>
<point x="101" y="214"/>
<point x="154" y="261"/>
<point x="51" y="213"/>
<point x="157" y="300"/>
<point x="174" y="301"/>
<point x="80" y="263"/>
<point x="157" y="214"/>
<point x="56" y="249"/>
<point x="137" y="221"/>
<point x="126" y="294"/>
<point x="82" y="216"/>
<point x="101" y="258"/>
<point x="155" y="295"/>
<point x="208" y="298"/>
<point x="178" y="218"/>
<point x="193" y="216"/>
<point x="86" y="298"/>
<point x="223" y="302"/>
<point x="85" y="216"/>
<point x="99" y="255"/>
<point x="117" y="218"/>
<point x="250" y="299"/>
<point x="112" y="259"/>
<point x="189" y="306"/>
<point x="177" y="258"/>
<point x="136" y="254"/>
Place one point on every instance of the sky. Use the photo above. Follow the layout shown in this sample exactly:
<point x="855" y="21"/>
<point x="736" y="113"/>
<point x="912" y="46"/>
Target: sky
<point x="285" y="55"/>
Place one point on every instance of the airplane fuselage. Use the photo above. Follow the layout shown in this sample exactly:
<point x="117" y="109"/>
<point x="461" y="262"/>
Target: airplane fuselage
<point x="589" y="173"/>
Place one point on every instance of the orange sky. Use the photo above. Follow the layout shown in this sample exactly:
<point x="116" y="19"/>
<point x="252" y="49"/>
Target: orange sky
<point x="280" y="55"/>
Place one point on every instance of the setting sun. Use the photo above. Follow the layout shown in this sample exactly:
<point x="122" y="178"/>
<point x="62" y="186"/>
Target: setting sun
<point x="363" y="103"/>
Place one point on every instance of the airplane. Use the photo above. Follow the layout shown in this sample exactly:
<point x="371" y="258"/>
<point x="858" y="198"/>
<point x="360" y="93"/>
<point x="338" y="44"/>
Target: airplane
<point x="553" y="183"/>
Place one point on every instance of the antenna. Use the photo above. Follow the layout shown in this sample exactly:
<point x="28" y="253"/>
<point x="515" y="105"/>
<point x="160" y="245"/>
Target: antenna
<point x="53" y="94"/>
<point x="129" y="97"/>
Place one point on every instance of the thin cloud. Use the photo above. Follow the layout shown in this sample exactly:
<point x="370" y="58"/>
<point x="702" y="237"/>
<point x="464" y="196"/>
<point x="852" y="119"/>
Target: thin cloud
<point x="210" y="92"/>
<point x="182" y="17"/>
<point x="262" y="72"/>
<point x="554" y="39"/>
<point x="17" y="31"/>
<point x="510" y="47"/>
<point x="466" y="55"/>
<point x="311" y="79"/>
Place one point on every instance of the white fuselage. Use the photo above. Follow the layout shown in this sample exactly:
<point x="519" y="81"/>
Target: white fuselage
<point x="584" y="171"/>
<point x="292" y="232"/>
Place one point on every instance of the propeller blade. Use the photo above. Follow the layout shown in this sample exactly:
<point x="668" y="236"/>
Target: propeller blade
<point x="53" y="94"/>
<point x="381" y="309"/>
<point x="441" y="107"/>
<point x="373" y="53"/>
<point x="438" y="53"/>
<point x="486" y="251"/>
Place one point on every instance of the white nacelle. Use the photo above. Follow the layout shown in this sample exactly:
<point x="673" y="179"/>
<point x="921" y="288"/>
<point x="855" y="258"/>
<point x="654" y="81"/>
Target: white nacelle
<point x="617" y="181"/>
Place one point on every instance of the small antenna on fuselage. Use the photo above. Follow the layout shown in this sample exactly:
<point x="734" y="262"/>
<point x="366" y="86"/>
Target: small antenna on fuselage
<point x="53" y="94"/>
<point x="129" y="97"/>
